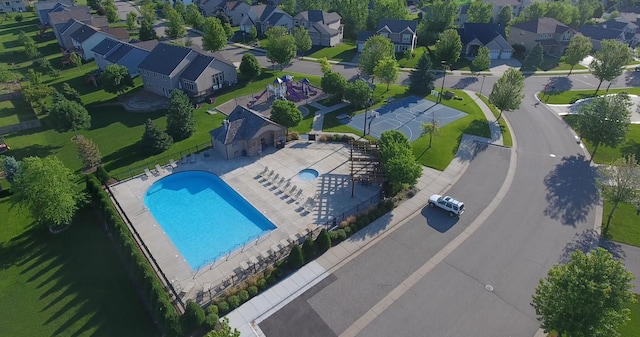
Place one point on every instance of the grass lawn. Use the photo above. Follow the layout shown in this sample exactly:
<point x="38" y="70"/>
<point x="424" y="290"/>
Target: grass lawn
<point x="343" y="52"/>
<point x="607" y="155"/>
<point x="624" y="223"/>
<point x="632" y="328"/>
<point x="571" y="96"/>
<point x="412" y="62"/>
<point x="506" y="134"/>
<point x="551" y="63"/>
<point x="14" y="112"/>
<point x="307" y="121"/>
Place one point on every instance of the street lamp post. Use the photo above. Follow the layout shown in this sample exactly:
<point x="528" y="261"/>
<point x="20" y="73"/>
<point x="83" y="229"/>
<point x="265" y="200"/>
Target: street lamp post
<point x="482" y="85"/>
<point x="444" y="76"/>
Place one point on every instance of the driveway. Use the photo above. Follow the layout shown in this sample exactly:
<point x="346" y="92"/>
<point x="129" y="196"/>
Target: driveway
<point x="124" y="7"/>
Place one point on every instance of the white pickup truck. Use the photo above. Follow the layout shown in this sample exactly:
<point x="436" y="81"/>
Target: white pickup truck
<point x="447" y="203"/>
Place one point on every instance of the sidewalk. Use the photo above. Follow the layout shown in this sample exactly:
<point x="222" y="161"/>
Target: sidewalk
<point x="318" y="119"/>
<point x="494" y="127"/>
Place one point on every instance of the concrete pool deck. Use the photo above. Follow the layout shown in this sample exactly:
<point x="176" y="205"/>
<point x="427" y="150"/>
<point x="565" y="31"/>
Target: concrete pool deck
<point x="332" y="188"/>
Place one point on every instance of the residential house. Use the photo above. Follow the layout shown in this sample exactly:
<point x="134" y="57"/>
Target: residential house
<point x="42" y="8"/>
<point x="324" y="28"/>
<point x="490" y="35"/>
<point x="111" y="51"/>
<point x="402" y="33"/>
<point x="517" y="6"/>
<point x="208" y="7"/>
<point x="246" y="133"/>
<point x="87" y="37"/>
<point x="9" y="6"/>
<point x="616" y="29"/>
<point x="553" y="35"/>
<point x="60" y="20"/>
<point x="234" y="10"/>
<point x="264" y="17"/>
<point x="197" y="73"/>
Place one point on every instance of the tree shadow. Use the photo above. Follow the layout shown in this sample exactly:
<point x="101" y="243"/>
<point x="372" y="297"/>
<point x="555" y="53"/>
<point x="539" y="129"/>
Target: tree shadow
<point x="438" y="219"/>
<point x="630" y="147"/>
<point x="469" y="148"/>
<point x="632" y="78"/>
<point x="123" y="157"/>
<point x="559" y="83"/>
<point x="465" y="82"/>
<point x="587" y="241"/>
<point x="571" y="190"/>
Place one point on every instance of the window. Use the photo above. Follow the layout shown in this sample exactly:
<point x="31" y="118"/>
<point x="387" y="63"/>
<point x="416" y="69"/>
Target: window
<point x="218" y="79"/>
<point x="385" y="34"/>
<point x="7" y="3"/>
<point x="406" y="38"/>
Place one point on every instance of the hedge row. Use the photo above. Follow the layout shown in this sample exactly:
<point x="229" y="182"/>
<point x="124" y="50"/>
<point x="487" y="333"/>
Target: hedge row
<point x="144" y="276"/>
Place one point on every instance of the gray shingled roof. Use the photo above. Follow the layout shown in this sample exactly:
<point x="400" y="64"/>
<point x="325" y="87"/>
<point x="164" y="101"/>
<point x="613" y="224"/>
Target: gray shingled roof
<point x="80" y="13"/>
<point x="83" y="33"/>
<point x="542" y="26"/>
<point x="164" y="58"/>
<point x="242" y="124"/>
<point x="596" y="32"/>
<point x="396" y="26"/>
<point x="105" y="46"/>
<point x="273" y="19"/>
<point x="363" y="35"/>
<point x="146" y="45"/>
<point x="484" y="32"/>
<point x="323" y="29"/>
<point x="196" y="67"/>
<point x="119" y="53"/>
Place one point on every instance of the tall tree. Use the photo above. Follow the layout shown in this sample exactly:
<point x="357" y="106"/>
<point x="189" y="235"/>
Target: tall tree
<point x="507" y="94"/>
<point x="562" y="11"/>
<point x="76" y="60"/>
<point x="375" y="49"/>
<point x="620" y="182"/>
<point x="505" y="15"/>
<point x="289" y="6"/>
<point x="386" y="9"/>
<point x="387" y="71"/>
<point x="154" y="140"/>
<point x="34" y="94"/>
<point x="605" y="120"/>
<point x="146" y="32"/>
<point x="358" y="93"/>
<point x="132" y="17"/>
<point x="536" y="10"/>
<point x="334" y="84"/>
<point x="285" y="113"/>
<point x="281" y="47"/>
<point x="10" y="166"/>
<point x="249" y="67"/>
<point x="325" y="66"/>
<point x="214" y="37"/>
<point x="480" y="12"/>
<point x="534" y="58"/>
<point x="588" y="296"/>
<point x="398" y="160"/>
<point x="88" y="152"/>
<point x="116" y="79"/>
<point x="175" y="25"/>
<point x="179" y="6"/>
<point x="181" y="121"/>
<point x="431" y="129"/>
<point x="224" y="330"/>
<point x="579" y="47"/>
<point x="302" y="39"/>
<point x="354" y="17"/>
<point x="304" y="5"/>
<point x="69" y="116"/>
<point x="70" y="93"/>
<point x="111" y="11"/>
<point x="449" y="46"/>
<point x="228" y="30"/>
<point x="586" y="12"/>
<point x="482" y="61"/>
<point x="608" y="62"/>
<point x="253" y="33"/>
<point x="421" y="78"/>
<point x="194" y="17"/>
<point x="47" y="189"/>
<point x="438" y="16"/>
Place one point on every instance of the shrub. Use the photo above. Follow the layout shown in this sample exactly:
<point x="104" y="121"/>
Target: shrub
<point x="342" y="234"/>
<point x="243" y="295"/>
<point x="347" y="231"/>
<point x="262" y="284"/>
<point x="102" y="174"/>
<point x="354" y="226"/>
<point x="277" y="272"/>
<point x="211" y="321"/>
<point x="253" y="290"/>
<point x="308" y="250"/>
<point x="271" y="279"/>
<point x="193" y="316"/>
<point x="295" y="259"/>
<point x="234" y="301"/>
<point x="19" y="18"/>
<point x="519" y="49"/>
<point x="223" y="307"/>
<point x="323" y="242"/>
<point x="212" y="309"/>
<point x="292" y="135"/>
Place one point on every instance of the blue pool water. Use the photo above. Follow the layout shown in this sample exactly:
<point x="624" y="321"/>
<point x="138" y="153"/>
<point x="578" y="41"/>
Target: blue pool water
<point x="308" y="174"/>
<point x="203" y="216"/>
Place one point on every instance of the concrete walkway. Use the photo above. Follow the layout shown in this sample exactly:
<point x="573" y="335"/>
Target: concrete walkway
<point x="318" y="119"/>
<point x="494" y="127"/>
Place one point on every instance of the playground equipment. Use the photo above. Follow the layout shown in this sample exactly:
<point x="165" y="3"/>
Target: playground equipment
<point x="284" y="87"/>
<point x="3" y="145"/>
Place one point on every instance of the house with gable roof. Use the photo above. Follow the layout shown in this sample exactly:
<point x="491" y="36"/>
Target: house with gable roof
<point x="324" y="28"/>
<point x="62" y="19"/>
<point x="234" y="10"/>
<point x="491" y="35"/>
<point x="264" y="17"/>
<point x="87" y="37"/>
<point x="246" y="132"/>
<point x="13" y="6"/>
<point x="130" y="55"/>
<point x="197" y="73"/>
<point x="618" y="29"/>
<point x="402" y="33"/>
<point x="42" y="8"/>
<point x="208" y="7"/>
<point x="553" y="35"/>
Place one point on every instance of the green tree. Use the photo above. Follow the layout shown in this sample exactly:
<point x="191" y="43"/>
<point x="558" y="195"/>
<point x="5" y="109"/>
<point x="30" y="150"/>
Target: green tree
<point x="285" y="113"/>
<point x="88" y="152"/>
<point x="375" y="49"/>
<point x="47" y="189"/>
<point x="308" y="250"/>
<point x="579" y="47"/>
<point x="76" y="60"/>
<point x="94" y="4"/>
<point x="228" y="30"/>
<point x="214" y="37"/>
<point x="386" y="9"/>
<point x="536" y="10"/>
<point x="249" y="67"/>
<point x="67" y="115"/>
<point x="534" y="58"/>
<point x="334" y="84"/>
<point x="358" y="93"/>
<point x="7" y="76"/>
<point x="193" y="316"/>
<point x="154" y="140"/>
<point x="70" y="93"/>
<point x="449" y="46"/>
<point x="10" y="166"/>
<point x="295" y="259"/>
<point x="132" y="19"/>
<point x="505" y="15"/>
<point x="588" y="296"/>
<point x="431" y="129"/>
<point x="281" y="47"/>
<point x="324" y="65"/>
<point x="421" y="78"/>
<point x="34" y="94"/>
<point x="253" y="33"/>
<point x="194" y="17"/>
<point x="619" y="182"/>
<point x="605" y="120"/>
<point x="175" y="25"/>
<point x="181" y="121"/>
<point x="586" y="12"/>
<point x="303" y="41"/>
<point x="35" y="78"/>
<point x="179" y="6"/>
<point x="116" y="79"/>
<point x="507" y="94"/>
<point x="31" y="50"/>
<point x="398" y="160"/>
<point x="323" y="241"/>
<point x="146" y="32"/>
<point x="387" y="71"/>
<point x="608" y="62"/>
<point x="480" y="12"/>
<point x="289" y="6"/>
<point x="224" y="330"/>
<point x="482" y="61"/>
<point x="354" y="17"/>
<point x="111" y="12"/>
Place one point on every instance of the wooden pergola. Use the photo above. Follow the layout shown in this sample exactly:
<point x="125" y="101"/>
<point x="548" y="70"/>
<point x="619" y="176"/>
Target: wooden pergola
<point x="365" y="163"/>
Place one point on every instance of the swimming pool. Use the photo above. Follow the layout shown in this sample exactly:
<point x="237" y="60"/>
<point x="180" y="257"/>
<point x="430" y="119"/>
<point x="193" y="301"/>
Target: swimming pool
<point x="203" y="216"/>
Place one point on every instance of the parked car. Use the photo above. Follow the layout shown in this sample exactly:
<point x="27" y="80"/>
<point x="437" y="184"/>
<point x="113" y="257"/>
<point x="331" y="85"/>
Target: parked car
<point x="447" y="203"/>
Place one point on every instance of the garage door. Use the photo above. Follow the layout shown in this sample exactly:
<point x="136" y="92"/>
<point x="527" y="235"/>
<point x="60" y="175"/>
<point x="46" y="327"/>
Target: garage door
<point x="494" y="54"/>
<point x="505" y="55"/>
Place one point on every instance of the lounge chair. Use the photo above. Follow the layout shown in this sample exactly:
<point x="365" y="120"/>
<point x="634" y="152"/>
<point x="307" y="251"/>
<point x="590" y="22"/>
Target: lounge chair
<point x="286" y="186"/>
<point x="266" y="169"/>
<point x="172" y="163"/>
<point x="279" y="182"/>
<point x="275" y="178"/>
<point x="147" y="172"/>
<point x="158" y="168"/>
<point x="311" y="205"/>
<point x="292" y="189"/>
<point x="297" y="195"/>
<point x="268" y="175"/>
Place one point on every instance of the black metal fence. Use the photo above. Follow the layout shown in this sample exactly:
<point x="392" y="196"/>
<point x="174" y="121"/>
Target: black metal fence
<point x="362" y="207"/>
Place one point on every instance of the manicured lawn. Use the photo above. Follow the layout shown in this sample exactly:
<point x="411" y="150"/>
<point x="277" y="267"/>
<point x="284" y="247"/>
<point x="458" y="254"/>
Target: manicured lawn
<point x="571" y="96"/>
<point x="307" y="121"/>
<point x="14" y="112"/>
<point x="632" y="327"/>
<point x="506" y="134"/>
<point x="413" y="61"/>
<point x="344" y="52"/>
<point x="607" y="155"/>
<point x="624" y="223"/>
<point x="552" y="63"/>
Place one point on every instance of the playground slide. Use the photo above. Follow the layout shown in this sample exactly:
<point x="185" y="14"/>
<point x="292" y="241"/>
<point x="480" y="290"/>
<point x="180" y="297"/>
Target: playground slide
<point x="260" y="96"/>
<point x="294" y="96"/>
<point x="298" y="87"/>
